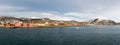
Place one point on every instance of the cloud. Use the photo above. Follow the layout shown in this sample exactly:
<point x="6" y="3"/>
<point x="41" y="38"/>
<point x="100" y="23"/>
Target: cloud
<point x="15" y="11"/>
<point x="98" y="8"/>
<point x="62" y="9"/>
<point x="4" y="8"/>
<point x="54" y="16"/>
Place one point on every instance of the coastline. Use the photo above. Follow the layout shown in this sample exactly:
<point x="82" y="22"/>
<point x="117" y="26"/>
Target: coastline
<point x="12" y="22"/>
<point x="42" y="26"/>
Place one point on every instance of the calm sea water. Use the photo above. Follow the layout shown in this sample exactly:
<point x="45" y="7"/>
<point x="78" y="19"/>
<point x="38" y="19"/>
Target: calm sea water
<point x="84" y="35"/>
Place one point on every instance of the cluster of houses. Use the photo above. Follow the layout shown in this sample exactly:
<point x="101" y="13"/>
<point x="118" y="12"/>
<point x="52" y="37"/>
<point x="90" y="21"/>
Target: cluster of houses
<point x="17" y="24"/>
<point x="6" y="21"/>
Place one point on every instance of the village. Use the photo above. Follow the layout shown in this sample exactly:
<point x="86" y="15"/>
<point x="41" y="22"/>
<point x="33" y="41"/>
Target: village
<point x="7" y="21"/>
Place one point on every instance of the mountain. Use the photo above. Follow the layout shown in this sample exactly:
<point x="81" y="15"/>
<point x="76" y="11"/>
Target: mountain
<point x="102" y="21"/>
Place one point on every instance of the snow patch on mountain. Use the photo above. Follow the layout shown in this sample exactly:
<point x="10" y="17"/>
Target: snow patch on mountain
<point x="97" y="19"/>
<point x="101" y="18"/>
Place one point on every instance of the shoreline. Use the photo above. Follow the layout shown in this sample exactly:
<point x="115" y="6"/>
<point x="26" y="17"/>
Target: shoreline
<point x="39" y="26"/>
<point x="55" y="26"/>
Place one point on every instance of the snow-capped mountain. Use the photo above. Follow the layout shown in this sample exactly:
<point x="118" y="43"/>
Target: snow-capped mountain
<point x="100" y="18"/>
<point x="101" y="21"/>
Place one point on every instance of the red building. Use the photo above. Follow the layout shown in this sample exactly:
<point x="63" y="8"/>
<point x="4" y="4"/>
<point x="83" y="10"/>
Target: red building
<point x="30" y="24"/>
<point x="18" y="24"/>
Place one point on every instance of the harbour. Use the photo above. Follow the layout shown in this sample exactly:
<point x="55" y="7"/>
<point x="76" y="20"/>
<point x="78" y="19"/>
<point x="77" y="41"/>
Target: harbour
<point x="59" y="22"/>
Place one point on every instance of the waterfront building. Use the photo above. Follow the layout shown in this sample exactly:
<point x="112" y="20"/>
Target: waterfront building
<point x="18" y="24"/>
<point x="7" y="24"/>
<point x="30" y="25"/>
<point x="25" y="24"/>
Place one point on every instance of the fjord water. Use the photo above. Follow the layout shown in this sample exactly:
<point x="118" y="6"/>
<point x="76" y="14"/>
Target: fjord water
<point x="84" y="35"/>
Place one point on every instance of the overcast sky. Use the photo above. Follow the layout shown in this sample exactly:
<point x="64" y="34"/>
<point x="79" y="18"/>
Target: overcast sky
<point x="80" y="10"/>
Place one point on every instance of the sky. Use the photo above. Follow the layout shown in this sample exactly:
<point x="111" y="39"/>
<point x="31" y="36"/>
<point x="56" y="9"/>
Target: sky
<point x="79" y="10"/>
